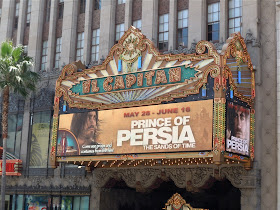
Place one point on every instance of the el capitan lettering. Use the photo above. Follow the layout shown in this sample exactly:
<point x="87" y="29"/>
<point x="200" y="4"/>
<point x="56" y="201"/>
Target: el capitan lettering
<point x="144" y="79"/>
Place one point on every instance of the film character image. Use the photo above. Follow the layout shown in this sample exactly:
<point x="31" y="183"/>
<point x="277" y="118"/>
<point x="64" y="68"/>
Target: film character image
<point x="83" y="132"/>
<point x="238" y="129"/>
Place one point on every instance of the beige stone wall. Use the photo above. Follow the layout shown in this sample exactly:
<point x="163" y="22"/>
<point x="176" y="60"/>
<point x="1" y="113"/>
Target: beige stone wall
<point x="266" y="144"/>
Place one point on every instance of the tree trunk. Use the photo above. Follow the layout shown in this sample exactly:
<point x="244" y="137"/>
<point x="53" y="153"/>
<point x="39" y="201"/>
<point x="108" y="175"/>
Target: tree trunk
<point x="5" y="111"/>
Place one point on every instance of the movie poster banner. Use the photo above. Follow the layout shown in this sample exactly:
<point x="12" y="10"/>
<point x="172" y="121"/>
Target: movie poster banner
<point x="150" y="129"/>
<point x="238" y="129"/>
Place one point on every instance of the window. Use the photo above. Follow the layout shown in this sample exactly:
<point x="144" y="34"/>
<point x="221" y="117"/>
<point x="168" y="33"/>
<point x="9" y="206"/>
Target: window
<point x="57" y="53"/>
<point x="14" y="133"/>
<point x="163" y="32"/>
<point x="234" y="15"/>
<point x="16" y="15"/>
<point x="97" y="4"/>
<point x="28" y="14"/>
<point x="182" y="31"/>
<point x="51" y="202"/>
<point x="40" y="139"/>
<point x="44" y="55"/>
<point x="121" y="1"/>
<point x="119" y="31"/>
<point x="80" y="46"/>
<point x="48" y="12"/>
<point x="60" y="9"/>
<point x="137" y="24"/>
<point x="95" y="45"/>
<point x="213" y="22"/>
<point x="82" y="6"/>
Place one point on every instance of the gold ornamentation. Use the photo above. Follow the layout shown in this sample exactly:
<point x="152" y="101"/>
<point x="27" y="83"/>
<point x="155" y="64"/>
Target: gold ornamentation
<point x="106" y="85"/>
<point x="175" y="75"/>
<point x="160" y="77"/>
<point x="177" y="202"/>
<point x="119" y="83"/>
<point x="130" y="45"/>
<point x="236" y="48"/>
<point x="140" y="80"/>
<point x="130" y="80"/>
<point x="149" y="77"/>
<point x="86" y="86"/>
<point x="94" y="87"/>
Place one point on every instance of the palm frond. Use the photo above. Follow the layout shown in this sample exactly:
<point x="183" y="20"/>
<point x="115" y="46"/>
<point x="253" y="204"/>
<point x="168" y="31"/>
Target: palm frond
<point x="6" y="49"/>
<point x="16" y="53"/>
<point x="15" y="69"/>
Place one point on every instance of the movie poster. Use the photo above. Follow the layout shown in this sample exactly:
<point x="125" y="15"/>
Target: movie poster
<point x="37" y="202"/>
<point x="159" y="128"/>
<point x="238" y="129"/>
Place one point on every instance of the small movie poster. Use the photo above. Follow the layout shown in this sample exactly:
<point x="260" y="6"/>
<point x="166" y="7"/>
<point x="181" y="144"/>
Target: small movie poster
<point x="238" y="129"/>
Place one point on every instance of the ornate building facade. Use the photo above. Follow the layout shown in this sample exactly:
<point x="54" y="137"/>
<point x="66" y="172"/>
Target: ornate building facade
<point x="58" y="32"/>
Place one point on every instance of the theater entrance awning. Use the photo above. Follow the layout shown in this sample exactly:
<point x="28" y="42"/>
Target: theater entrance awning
<point x="141" y="107"/>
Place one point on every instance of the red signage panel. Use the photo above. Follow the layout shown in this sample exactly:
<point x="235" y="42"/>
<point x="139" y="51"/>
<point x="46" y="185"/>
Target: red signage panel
<point x="13" y="167"/>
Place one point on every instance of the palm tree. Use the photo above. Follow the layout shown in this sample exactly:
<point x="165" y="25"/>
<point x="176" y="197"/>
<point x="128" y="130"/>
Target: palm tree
<point x="15" y="76"/>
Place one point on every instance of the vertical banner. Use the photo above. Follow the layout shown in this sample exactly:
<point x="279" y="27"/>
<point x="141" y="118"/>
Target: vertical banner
<point x="238" y="129"/>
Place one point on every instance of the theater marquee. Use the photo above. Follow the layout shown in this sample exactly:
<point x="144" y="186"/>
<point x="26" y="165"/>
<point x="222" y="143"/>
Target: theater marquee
<point x="141" y="107"/>
<point x="159" y="128"/>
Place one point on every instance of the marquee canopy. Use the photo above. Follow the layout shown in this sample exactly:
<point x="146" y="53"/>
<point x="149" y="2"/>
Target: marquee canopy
<point x="186" y="105"/>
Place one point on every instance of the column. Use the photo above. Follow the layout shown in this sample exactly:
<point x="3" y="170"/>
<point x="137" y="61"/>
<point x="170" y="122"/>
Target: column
<point x="223" y="20"/>
<point x="69" y="32"/>
<point x="21" y="21"/>
<point x="107" y="26"/>
<point x="150" y="19"/>
<point x="197" y="20"/>
<point x="278" y="98"/>
<point x="128" y="14"/>
<point x="88" y="31"/>
<point x="172" y="24"/>
<point x="250" y="17"/>
<point x="250" y="199"/>
<point x="24" y="136"/>
<point x="7" y="20"/>
<point x="95" y="198"/>
<point x="52" y="35"/>
<point x="35" y="33"/>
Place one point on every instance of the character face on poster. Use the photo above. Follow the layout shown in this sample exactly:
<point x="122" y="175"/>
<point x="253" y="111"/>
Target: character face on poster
<point x="83" y="132"/>
<point x="238" y="129"/>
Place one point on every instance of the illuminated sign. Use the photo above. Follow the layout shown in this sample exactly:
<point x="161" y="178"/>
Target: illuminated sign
<point x="238" y="129"/>
<point x="13" y="167"/>
<point x="151" y="78"/>
<point x="159" y="128"/>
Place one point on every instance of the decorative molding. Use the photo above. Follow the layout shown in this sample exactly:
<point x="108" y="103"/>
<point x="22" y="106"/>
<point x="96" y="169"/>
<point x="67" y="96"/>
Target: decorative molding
<point x="44" y="99"/>
<point x="218" y="45"/>
<point x="92" y="64"/>
<point x="53" y="73"/>
<point x="239" y="177"/>
<point x="251" y="39"/>
<point x="182" y="49"/>
<point x="141" y="179"/>
<point x="192" y="49"/>
<point x="235" y="48"/>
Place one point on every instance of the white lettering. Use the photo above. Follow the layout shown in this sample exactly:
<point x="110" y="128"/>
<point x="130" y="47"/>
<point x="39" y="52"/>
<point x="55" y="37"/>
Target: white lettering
<point x="123" y="135"/>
